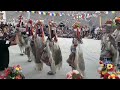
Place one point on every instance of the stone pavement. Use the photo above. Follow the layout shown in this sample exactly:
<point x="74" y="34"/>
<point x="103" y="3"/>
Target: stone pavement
<point x="91" y="52"/>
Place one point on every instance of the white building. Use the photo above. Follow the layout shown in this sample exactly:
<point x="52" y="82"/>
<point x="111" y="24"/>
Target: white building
<point x="2" y="16"/>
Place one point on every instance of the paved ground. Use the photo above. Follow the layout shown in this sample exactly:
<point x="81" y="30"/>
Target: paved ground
<point x="91" y="51"/>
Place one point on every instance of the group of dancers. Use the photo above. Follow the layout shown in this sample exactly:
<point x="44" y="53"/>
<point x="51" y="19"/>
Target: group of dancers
<point x="32" y="42"/>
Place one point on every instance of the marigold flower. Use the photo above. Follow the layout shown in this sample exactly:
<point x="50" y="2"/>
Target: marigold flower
<point x="112" y="76"/>
<point x="20" y="68"/>
<point x="17" y="68"/>
<point x="109" y="66"/>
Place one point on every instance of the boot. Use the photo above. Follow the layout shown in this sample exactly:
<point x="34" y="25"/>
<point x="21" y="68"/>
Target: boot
<point x="29" y="59"/>
<point x="51" y="73"/>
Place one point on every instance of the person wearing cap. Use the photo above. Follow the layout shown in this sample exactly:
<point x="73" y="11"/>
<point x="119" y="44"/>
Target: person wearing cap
<point x="38" y="44"/>
<point x="52" y="31"/>
<point x="39" y="27"/>
<point x="116" y="35"/>
<point x="108" y="29"/>
<point x="20" y="18"/>
<point x="108" y="51"/>
<point x="77" y="32"/>
<point x="29" y="28"/>
<point x="52" y="50"/>
<point x="29" y="33"/>
<point x="76" y="59"/>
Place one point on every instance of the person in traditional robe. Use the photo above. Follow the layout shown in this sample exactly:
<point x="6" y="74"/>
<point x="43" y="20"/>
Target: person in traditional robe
<point x="105" y="53"/>
<point x="29" y="32"/>
<point x="38" y="44"/>
<point x="52" y="55"/>
<point x="29" y="28"/>
<point x="76" y="59"/>
<point x="77" y="32"/>
<point x="116" y="35"/>
<point x="52" y="31"/>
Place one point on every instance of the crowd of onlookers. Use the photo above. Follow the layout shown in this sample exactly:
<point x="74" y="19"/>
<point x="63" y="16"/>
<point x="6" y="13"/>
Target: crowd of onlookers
<point x="85" y="31"/>
<point x="67" y="32"/>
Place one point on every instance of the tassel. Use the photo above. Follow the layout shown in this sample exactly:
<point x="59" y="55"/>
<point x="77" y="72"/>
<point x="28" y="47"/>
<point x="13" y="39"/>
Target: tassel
<point x="43" y="35"/>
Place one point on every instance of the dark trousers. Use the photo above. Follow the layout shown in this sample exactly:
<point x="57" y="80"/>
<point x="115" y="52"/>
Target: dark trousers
<point x="4" y="60"/>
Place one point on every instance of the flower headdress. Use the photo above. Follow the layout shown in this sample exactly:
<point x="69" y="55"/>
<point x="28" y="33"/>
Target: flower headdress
<point x="76" y="25"/>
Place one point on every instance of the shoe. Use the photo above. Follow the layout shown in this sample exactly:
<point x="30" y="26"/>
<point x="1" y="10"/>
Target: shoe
<point x="51" y="73"/>
<point x="30" y="60"/>
<point x="21" y="54"/>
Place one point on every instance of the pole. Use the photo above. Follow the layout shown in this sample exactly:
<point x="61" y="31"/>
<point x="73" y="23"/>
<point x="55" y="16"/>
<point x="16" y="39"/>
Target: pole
<point x="28" y="15"/>
<point x="100" y="19"/>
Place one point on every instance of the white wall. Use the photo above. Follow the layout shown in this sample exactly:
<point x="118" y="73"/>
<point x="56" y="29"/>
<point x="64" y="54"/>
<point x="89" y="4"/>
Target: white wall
<point x="4" y="16"/>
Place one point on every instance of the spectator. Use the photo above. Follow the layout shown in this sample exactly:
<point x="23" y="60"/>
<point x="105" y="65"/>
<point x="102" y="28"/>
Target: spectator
<point x="4" y="51"/>
<point x="92" y="31"/>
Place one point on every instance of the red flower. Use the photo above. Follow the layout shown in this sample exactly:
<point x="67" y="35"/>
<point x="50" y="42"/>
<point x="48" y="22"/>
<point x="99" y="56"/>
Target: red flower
<point x="18" y="77"/>
<point x="101" y="62"/>
<point x="7" y="71"/>
<point x="106" y="76"/>
<point x="117" y="77"/>
<point x="14" y="66"/>
<point x="2" y="77"/>
<point x="69" y="75"/>
<point x="18" y="65"/>
<point x="112" y="69"/>
<point x="80" y="77"/>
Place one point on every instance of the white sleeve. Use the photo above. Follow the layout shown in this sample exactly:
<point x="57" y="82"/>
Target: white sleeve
<point x="7" y="42"/>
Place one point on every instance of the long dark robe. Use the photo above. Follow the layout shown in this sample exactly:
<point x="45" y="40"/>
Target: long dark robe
<point x="4" y="55"/>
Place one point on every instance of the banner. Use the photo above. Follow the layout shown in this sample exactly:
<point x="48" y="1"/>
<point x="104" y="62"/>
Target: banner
<point x="79" y="15"/>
